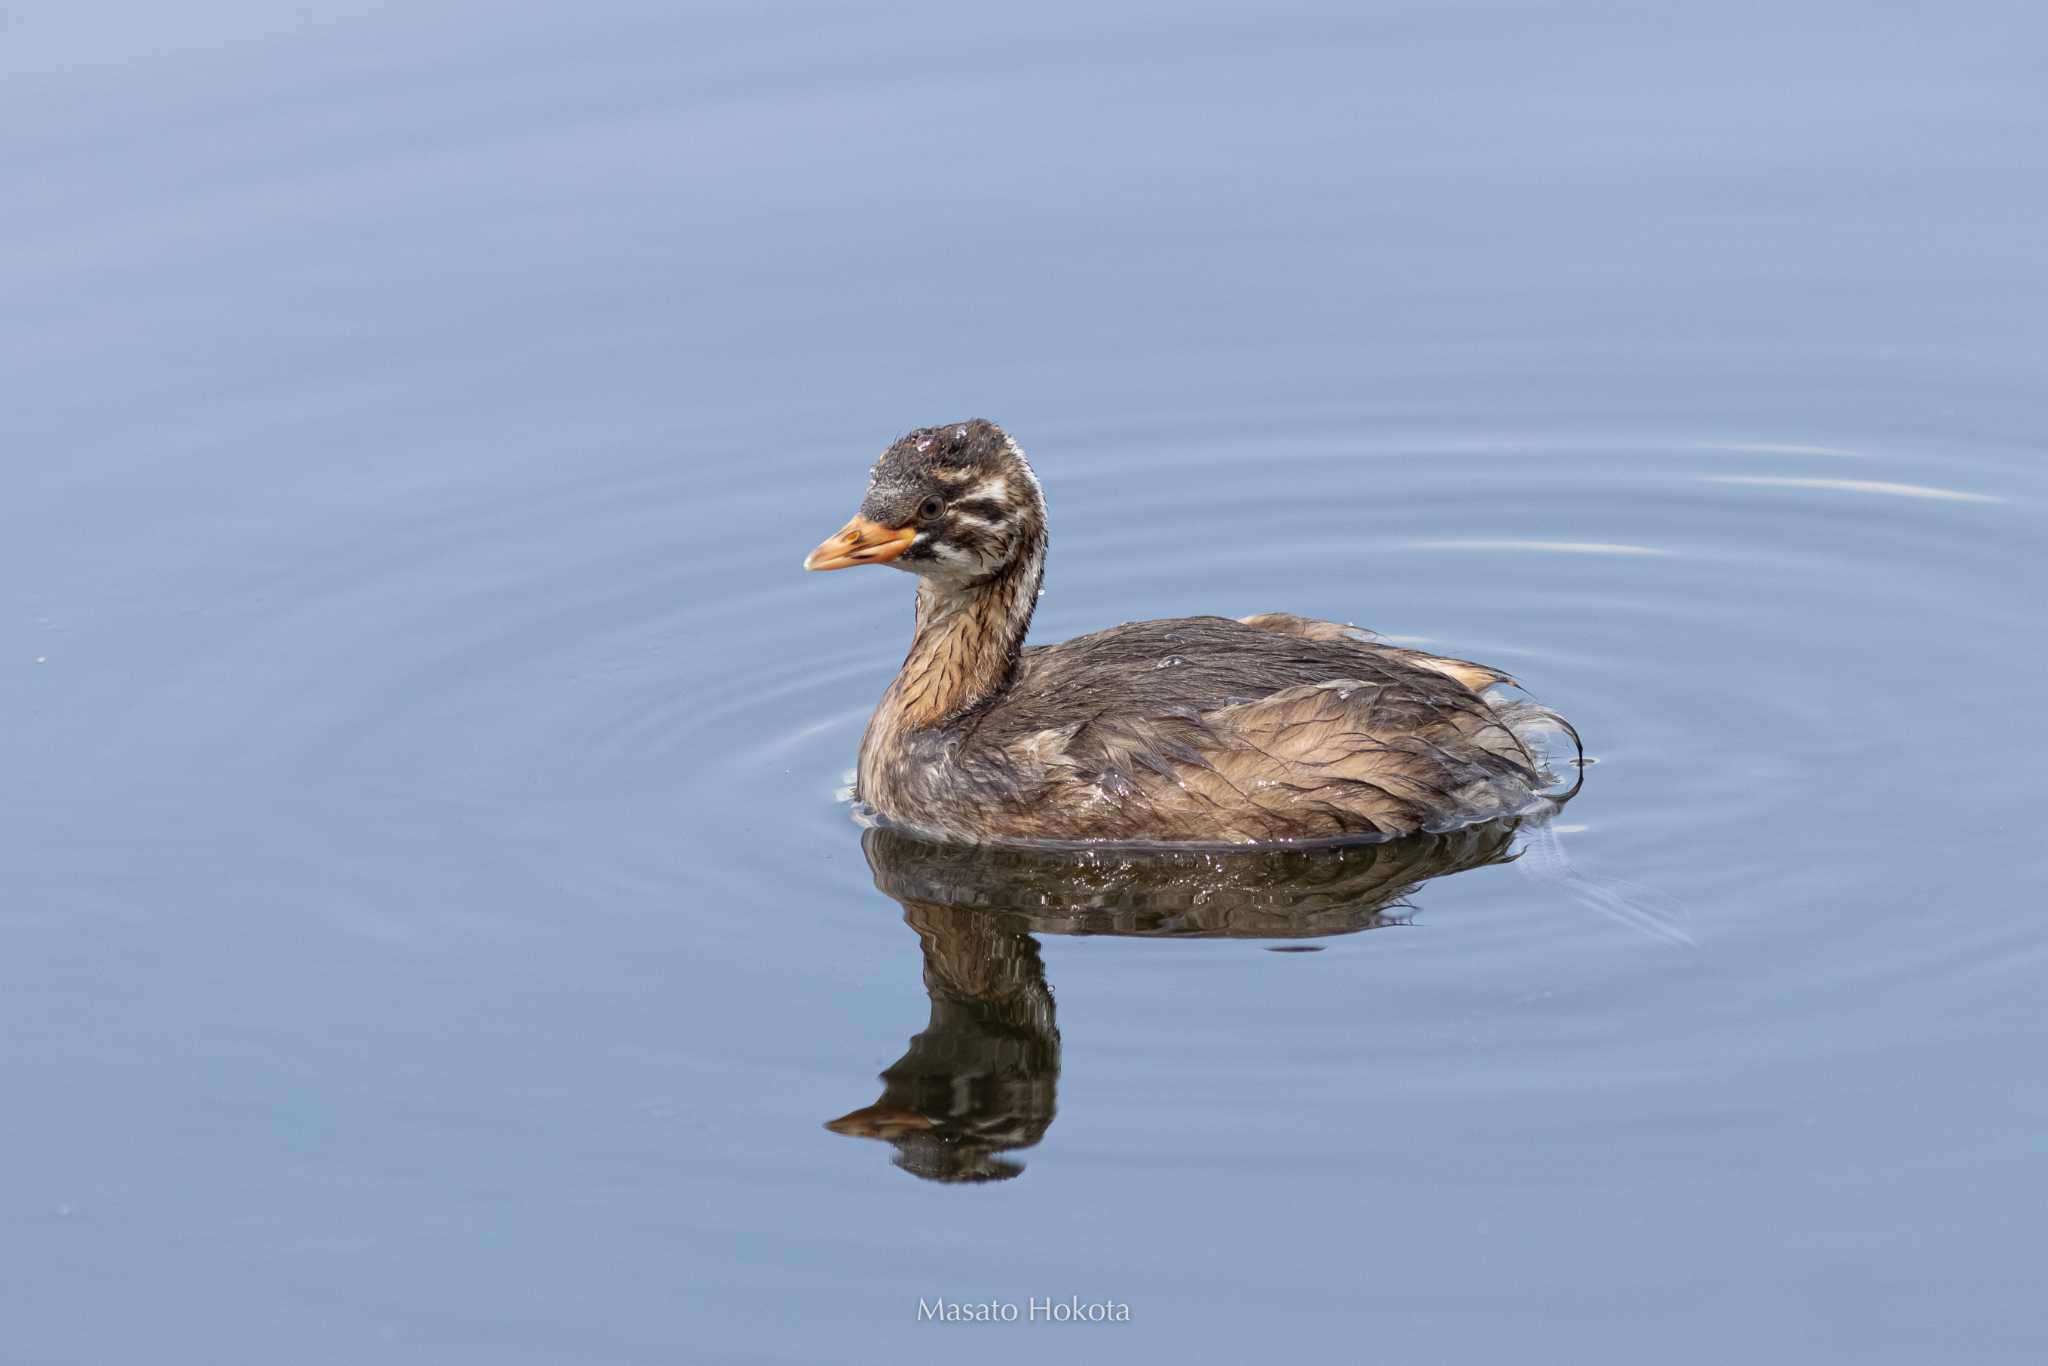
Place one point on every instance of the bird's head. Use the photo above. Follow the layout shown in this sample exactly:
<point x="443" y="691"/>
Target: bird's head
<point x="957" y="504"/>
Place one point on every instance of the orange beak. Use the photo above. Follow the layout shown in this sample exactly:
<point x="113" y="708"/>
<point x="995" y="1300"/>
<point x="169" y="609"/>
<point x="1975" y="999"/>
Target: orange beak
<point x="861" y="541"/>
<point x="879" y="1121"/>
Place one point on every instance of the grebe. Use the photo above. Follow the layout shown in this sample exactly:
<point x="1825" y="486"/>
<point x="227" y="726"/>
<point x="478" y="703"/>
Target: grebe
<point x="980" y="1080"/>
<point x="1205" y="730"/>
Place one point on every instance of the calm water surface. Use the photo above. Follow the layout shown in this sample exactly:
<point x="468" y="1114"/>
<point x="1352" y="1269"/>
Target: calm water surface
<point x="434" y="934"/>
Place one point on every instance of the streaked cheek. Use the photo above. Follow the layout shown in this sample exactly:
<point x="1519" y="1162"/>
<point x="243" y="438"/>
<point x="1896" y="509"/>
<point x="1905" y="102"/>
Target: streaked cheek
<point x="980" y="544"/>
<point x="953" y="556"/>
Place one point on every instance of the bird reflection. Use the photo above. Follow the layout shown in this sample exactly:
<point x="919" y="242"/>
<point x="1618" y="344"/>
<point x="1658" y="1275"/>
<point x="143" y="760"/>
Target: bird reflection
<point x="979" y="1080"/>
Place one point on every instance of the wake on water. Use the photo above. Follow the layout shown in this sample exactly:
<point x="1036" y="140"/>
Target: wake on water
<point x="1643" y="909"/>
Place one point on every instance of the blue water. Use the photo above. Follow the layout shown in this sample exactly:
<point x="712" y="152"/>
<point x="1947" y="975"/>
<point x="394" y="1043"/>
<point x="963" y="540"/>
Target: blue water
<point x="434" y="933"/>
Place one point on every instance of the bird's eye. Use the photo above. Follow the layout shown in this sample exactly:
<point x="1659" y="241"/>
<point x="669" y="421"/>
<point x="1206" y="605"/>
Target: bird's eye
<point x="932" y="507"/>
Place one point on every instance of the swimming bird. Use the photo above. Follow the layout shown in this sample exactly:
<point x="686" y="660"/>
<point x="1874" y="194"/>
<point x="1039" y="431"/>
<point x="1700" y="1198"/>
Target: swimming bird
<point x="1272" y="728"/>
<point x="979" y="1082"/>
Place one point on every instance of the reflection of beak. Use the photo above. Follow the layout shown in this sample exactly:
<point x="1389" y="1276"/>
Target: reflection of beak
<point x="879" y="1121"/>
<point x="861" y="541"/>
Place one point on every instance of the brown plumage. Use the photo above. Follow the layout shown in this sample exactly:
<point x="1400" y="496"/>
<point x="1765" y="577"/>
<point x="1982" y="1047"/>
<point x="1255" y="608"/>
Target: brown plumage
<point x="1194" y="730"/>
<point x="980" y="1080"/>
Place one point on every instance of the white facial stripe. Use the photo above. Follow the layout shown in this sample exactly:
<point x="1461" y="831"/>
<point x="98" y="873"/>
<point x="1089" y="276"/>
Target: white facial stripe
<point x="1010" y="443"/>
<point x="949" y="564"/>
<point x="996" y="490"/>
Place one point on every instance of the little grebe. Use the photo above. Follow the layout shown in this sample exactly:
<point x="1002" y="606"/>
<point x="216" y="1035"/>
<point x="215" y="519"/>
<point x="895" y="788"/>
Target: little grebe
<point x="1193" y="730"/>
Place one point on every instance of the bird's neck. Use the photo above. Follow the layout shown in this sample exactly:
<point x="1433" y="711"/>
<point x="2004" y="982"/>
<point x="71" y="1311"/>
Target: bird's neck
<point x="967" y="643"/>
